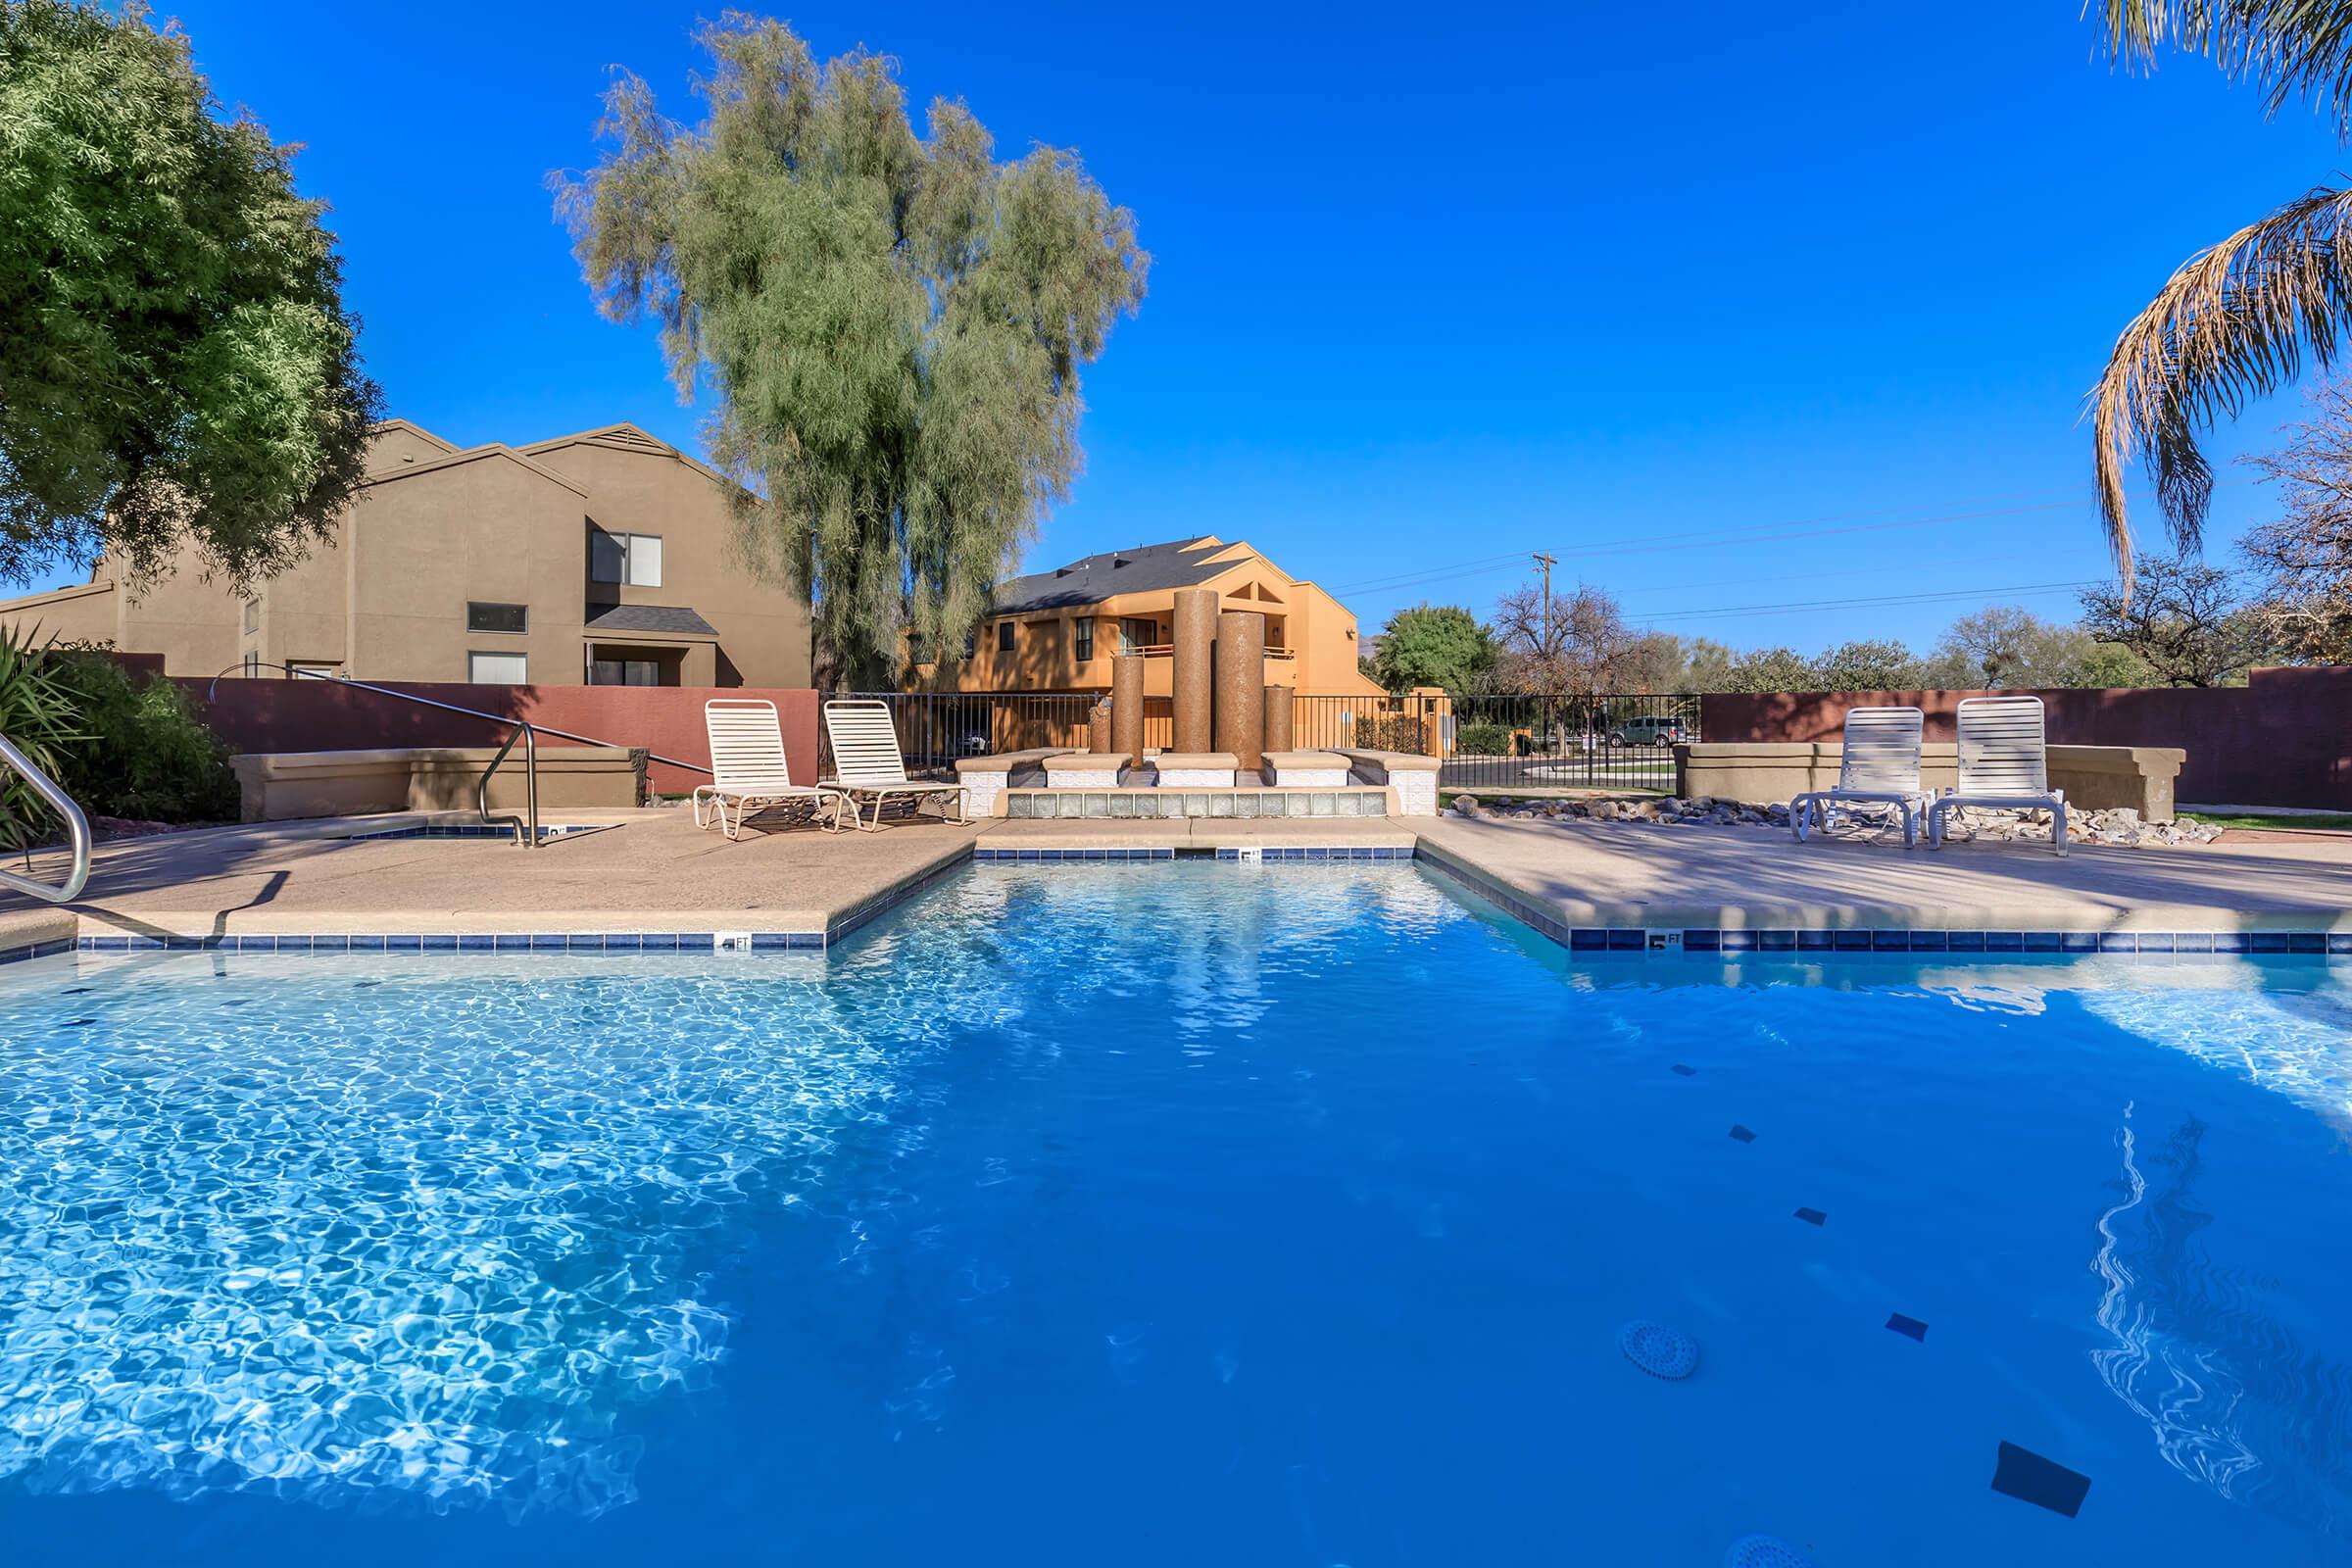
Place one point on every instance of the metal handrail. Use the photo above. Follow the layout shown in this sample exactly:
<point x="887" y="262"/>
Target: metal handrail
<point x="78" y="832"/>
<point x="525" y="831"/>
<point x="524" y="729"/>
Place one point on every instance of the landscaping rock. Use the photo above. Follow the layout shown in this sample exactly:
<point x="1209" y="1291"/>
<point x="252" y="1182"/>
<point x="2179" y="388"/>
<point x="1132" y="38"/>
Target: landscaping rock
<point x="1466" y="804"/>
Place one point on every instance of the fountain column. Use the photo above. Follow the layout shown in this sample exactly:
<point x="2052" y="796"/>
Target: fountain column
<point x="1097" y="728"/>
<point x="1127" y="707"/>
<point x="1242" y="689"/>
<point x="1278" y="719"/>
<point x="1191" y="682"/>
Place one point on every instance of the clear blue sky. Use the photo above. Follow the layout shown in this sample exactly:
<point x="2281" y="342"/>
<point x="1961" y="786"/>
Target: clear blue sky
<point x="1430" y="286"/>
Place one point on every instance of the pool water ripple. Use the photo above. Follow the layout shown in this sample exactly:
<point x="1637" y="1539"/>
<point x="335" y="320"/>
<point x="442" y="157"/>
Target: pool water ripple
<point x="1171" y="1215"/>
<point x="434" y="1246"/>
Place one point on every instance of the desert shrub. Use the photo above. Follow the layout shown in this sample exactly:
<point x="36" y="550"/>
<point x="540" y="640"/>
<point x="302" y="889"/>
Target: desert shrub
<point x="1392" y="732"/>
<point x="38" y="713"/>
<point x="1483" y="740"/>
<point x="122" y="744"/>
<point x="148" y="756"/>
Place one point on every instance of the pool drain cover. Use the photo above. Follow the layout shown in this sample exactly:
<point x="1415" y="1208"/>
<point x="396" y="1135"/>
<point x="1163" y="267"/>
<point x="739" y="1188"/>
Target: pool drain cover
<point x="1663" y="1352"/>
<point x="1763" y="1551"/>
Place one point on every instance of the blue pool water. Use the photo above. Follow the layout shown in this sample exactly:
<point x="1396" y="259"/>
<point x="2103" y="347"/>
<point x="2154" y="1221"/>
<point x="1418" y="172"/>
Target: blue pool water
<point x="1169" y="1214"/>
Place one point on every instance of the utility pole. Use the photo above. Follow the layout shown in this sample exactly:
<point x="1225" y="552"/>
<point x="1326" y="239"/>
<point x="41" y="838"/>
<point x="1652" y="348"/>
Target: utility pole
<point x="1546" y="563"/>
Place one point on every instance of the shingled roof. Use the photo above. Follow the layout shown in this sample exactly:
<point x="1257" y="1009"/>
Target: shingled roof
<point x="676" y="619"/>
<point x="1091" y="579"/>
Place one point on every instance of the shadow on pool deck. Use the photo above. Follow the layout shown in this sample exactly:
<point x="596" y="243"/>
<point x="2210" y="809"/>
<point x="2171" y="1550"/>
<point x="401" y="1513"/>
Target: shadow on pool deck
<point x="1637" y="874"/>
<point x="656" y="872"/>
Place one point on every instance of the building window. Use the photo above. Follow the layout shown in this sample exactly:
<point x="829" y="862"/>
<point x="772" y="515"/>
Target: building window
<point x="1136" y="635"/>
<point x="1086" y="638"/>
<point x="252" y="614"/>
<point x="634" y="559"/>
<point x="494" y="669"/>
<point x="1003" y="636"/>
<point x="625" y="672"/>
<point x="314" y="669"/>
<point x="498" y="618"/>
<point x="253" y="666"/>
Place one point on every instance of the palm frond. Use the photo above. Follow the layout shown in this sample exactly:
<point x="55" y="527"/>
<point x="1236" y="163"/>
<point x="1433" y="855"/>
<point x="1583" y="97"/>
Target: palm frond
<point x="2235" y="322"/>
<point x="2289" y="48"/>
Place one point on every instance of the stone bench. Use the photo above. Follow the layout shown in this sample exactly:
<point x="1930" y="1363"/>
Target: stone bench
<point x="285" y="786"/>
<point x="1194" y="771"/>
<point x="985" y="779"/>
<point x="1085" y="770"/>
<point x="1412" y="777"/>
<point x="1305" y="769"/>
<point x="2093" y="778"/>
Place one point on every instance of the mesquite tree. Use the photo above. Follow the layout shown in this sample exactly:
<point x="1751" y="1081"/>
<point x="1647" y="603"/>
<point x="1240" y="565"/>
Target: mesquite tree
<point x="176" y="365"/>
<point x="892" y="323"/>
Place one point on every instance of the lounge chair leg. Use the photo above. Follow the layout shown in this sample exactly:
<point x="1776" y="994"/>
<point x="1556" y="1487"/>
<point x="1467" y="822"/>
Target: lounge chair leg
<point x="2058" y="828"/>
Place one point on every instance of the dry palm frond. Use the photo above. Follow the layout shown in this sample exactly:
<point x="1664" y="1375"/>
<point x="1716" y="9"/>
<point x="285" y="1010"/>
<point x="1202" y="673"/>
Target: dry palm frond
<point x="2291" y="48"/>
<point x="2235" y="324"/>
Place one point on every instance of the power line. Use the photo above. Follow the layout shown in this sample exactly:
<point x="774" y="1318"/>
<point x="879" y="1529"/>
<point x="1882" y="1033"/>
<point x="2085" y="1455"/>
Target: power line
<point x="1936" y="597"/>
<point x="1710" y="538"/>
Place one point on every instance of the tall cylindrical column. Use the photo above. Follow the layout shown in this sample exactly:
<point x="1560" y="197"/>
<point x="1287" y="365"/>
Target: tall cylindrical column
<point x="1193" y="680"/>
<point x="1127" y="707"/>
<point x="1278" y="719"/>
<point x="1097" y="728"/>
<point x="1242" y="688"/>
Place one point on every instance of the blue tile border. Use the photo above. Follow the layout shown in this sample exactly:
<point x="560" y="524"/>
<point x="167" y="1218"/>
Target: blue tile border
<point x="1270" y="854"/>
<point x="1787" y="943"/>
<point x="549" y="832"/>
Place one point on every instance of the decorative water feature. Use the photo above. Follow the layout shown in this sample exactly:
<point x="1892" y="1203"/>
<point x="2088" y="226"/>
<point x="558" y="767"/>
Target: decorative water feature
<point x="1232" y="750"/>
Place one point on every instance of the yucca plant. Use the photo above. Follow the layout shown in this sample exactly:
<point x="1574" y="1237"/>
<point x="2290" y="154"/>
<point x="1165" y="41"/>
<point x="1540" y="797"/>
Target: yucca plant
<point x="38" y="713"/>
<point x="2240" y="319"/>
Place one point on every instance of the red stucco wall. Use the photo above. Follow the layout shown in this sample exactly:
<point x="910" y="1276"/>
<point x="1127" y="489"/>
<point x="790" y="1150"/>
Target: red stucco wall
<point x="2284" y="739"/>
<point x="325" y="716"/>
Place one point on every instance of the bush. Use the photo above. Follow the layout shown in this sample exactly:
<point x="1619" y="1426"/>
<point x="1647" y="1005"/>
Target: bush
<point x="120" y="744"/>
<point x="149" y="756"/>
<point x="1392" y="732"/>
<point x="40" y="714"/>
<point x="1483" y="740"/>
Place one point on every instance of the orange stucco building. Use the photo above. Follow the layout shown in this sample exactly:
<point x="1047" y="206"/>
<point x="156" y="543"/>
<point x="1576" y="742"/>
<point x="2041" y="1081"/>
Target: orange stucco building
<point x="1058" y="630"/>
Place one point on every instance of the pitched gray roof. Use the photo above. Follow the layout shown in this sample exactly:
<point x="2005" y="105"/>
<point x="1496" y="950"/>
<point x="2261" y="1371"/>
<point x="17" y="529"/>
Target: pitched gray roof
<point x="1094" y="579"/>
<point x="673" y="618"/>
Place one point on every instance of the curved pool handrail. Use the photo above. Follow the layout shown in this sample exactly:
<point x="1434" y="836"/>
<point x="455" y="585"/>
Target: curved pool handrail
<point x="78" y="832"/>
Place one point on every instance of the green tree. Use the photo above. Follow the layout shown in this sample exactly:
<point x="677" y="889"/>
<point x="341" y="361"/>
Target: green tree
<point x="2183" y="620"/>
<point x="1770" y="669"/>
<point x="893" y="325"/>
<point x="2239" y="319"/>
<point x="1879" y="665"/>
<point x="1433" y="645"/>
<point x="175" y="360"/>
<point x="2112" y="665"/>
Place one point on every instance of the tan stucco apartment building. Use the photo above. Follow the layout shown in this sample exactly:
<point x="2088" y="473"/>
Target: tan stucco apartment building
<point x="598" y="559"/>
<point x="1057" y="630"/>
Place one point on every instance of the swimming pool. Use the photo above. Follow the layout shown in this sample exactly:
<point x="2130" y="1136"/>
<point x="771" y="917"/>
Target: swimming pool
<point x="1171" y="1215"/>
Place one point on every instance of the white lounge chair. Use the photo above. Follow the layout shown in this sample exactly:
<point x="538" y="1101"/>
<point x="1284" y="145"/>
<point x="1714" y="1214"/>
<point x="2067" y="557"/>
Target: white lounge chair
<point x="2004" y="765"/>
<point x="748" y="770"/>
<point x="868" y="764"/>
<point x="1878" y="766"/>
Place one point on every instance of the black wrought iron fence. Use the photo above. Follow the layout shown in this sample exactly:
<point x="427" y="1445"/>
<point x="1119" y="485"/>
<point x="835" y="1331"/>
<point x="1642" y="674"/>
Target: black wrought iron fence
<point x="1508" y="741"/>
<point x="935" y="728"/>
<point x="1547" y="741"/>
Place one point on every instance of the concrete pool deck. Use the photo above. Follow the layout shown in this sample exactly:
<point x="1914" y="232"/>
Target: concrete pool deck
<point x="657" y="874"/>
<point x="1632" y="874"/>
